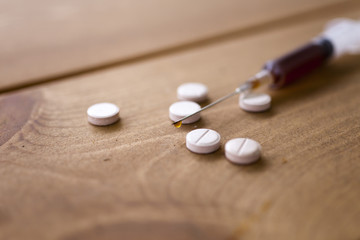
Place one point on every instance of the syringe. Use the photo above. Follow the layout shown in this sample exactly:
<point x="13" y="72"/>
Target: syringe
<point x="341" y="36"/>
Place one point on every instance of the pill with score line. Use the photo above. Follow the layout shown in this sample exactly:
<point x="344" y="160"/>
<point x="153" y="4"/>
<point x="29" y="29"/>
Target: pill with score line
<point x="196" y="92"/>
<point x="242" y="150"/>
<point x="203" y="141"/>
<point x="181" y="109"/>
<point x="255" y="102"/>
<point x="103" y="114"/>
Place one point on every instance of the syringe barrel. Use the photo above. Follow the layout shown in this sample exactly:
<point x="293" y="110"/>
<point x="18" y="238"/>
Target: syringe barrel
<point x="298" y="63"/>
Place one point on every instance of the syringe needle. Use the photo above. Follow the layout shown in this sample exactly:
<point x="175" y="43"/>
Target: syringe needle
<point x="261" y="78"/>
<point x="246" y="86"/>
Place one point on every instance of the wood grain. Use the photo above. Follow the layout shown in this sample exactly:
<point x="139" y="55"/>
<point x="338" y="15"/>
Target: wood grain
<point x="42" y="40"/>
<point x="62" y="178"/>
<point x="16" y="111"/>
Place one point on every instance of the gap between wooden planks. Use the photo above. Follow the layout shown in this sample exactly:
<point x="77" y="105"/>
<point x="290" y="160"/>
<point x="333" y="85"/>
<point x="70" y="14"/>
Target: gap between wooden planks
<point x="67" y="38"/>
<point x="136" y="179"/>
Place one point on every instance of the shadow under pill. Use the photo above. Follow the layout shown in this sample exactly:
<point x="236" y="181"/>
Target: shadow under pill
<point x="261" y="115"/>
<point x="258" y="166"/>
<point x="206" y="102"/>
<point x="196" y="125"/>
<point x="213" y="156"/>
<point x="107" y="129"/>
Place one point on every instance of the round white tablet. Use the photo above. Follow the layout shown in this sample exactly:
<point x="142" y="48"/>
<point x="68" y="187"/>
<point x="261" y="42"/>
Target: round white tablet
<point x="196" y="92"/>
<point x="242" y="150"/>
<point x="255" y="102"/>
<point x="181" y="109"/>
<point x="203" y="141"/>
<point x="102" y="114"/>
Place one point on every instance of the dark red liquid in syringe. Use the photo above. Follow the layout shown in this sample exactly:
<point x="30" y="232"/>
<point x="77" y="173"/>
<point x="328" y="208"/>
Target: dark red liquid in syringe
<point x="299" y="62"/>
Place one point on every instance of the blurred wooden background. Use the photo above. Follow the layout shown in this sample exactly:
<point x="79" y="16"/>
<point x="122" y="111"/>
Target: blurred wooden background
<point x="61" y="178"/>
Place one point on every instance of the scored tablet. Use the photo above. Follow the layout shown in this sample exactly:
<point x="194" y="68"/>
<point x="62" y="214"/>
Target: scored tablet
<point x="242" y="150"/>
<point x="203" y="141"/>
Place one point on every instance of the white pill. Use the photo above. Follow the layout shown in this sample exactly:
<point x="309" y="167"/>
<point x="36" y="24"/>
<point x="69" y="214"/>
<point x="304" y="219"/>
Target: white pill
<point x="255" y="102"/>
<point x="203" y="141"/>
<point x="242" y="150"/>
<point x="181" y="109"/>
<point x="102" y="114"/>
<point x="196" y="92"/>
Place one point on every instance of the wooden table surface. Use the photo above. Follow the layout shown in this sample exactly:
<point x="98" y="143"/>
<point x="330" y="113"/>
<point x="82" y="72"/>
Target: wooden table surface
<point x="62" y="178"/>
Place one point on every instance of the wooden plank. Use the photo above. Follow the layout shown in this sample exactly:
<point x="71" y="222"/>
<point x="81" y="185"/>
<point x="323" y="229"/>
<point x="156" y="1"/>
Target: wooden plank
<point x="42" y="40"/>
<point x="61" y="178"/>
